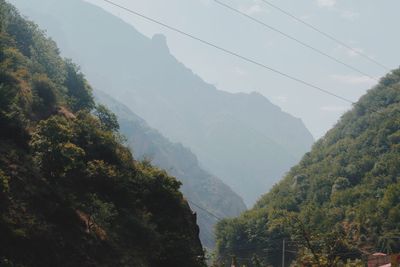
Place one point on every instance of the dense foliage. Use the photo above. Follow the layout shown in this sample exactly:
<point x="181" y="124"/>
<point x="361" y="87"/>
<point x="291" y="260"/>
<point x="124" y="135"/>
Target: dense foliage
<point x="341" y="202"/>
<point x="70" y="193"/>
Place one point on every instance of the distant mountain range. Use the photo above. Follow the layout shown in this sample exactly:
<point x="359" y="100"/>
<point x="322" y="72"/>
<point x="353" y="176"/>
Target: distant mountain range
<point x="201" y="188"/>
<point x="241" y="138"/>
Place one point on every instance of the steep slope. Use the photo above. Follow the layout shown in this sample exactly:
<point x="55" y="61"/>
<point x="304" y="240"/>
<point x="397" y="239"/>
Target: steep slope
<point x="198" y="186"/>
<point x="70" y="193"/>
<point x="344" y="195"/>
<point x="241" y="138"/>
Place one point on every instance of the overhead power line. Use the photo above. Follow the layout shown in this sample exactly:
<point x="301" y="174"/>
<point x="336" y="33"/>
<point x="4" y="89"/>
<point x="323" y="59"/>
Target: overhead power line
<point x="295" y="39"/>
<point x="205" y="210"/>
<point x="327" y="35"/>
<point x="229" y="52"/>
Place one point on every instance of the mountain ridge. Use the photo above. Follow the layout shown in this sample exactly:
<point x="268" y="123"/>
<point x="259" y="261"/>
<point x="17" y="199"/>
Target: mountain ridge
<point x="198" y="186"/>
<point x="123" y="63"/>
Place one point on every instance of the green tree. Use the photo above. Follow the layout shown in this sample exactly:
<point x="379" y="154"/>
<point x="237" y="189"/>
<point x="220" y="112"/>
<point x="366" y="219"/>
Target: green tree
<point x="109" y="121"/>
<point x="341" y="183"/>
<point x="79" y="92"/>
<point x="4" y="182"/>
<point x="101" y="214"/>
<point x="44" y="93"/>
<point x="54" y="151"/>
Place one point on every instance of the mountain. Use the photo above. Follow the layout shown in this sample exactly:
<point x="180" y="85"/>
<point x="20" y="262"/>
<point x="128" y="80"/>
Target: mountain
<point x="70" y="193"/>
<point x="198" y="186"/>
<point x="243" y="139"/>
<point x="342" y="201"/>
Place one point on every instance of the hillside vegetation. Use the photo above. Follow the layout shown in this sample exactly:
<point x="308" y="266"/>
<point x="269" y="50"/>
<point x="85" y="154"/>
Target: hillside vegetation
<point x="198" y="186"/>
<point x="342" y="201"/>
<point x="243" y="139"/>
<point x="70" y="193"/>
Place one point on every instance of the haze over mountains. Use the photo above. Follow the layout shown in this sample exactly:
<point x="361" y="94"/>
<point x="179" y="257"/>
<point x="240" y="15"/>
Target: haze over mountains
<point x="241" y="138"/>
<point x="200" y="187"/>
<point x="85" y="176"/>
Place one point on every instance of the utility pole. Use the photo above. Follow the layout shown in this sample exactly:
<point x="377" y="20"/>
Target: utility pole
<point x="283" y="253"/>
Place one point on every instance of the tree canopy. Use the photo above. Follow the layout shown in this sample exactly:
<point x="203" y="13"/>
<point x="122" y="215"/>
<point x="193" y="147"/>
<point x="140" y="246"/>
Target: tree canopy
<point x="70" y="193"/>
<point x="343" y="197"/>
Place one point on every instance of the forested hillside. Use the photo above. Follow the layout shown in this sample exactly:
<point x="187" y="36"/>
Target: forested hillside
<point x="70" y="193"/>
<point x="198" y="186"/>
<point x="242" y="139"/>
<point x="341" y="201"/>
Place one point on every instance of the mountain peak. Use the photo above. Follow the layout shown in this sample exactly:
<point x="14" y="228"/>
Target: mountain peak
<point x="160" y="42"/>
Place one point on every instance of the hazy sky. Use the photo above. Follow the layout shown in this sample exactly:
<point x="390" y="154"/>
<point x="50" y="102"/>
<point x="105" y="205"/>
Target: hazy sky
<point x="368" y="25"/>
